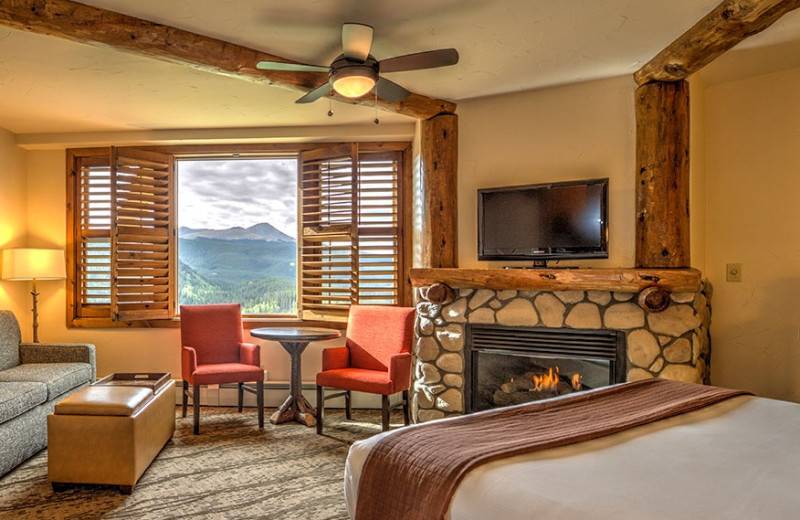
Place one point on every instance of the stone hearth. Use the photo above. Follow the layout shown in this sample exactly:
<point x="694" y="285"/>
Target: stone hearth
<point x="672" y="344"/>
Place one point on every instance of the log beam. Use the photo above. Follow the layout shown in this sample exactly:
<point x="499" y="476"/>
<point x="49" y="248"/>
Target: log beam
<point x="437" y="236"/>
<point x="103" y="28"/>
<point x="619" y="280"/>
<point x="662" y="175"/>
<point x="728" y="24"/>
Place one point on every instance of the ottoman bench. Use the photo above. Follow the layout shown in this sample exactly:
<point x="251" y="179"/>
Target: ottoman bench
<point x="109" y="433"/>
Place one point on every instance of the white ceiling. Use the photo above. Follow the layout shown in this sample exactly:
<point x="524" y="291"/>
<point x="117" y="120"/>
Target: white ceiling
<point x="49" y="85"/>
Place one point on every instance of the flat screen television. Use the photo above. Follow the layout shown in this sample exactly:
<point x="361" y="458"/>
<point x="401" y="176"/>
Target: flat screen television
<point x="540" y="222"/>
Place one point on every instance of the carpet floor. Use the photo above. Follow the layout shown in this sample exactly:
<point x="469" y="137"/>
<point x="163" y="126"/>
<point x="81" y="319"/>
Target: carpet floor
<point x="232" y="470"/>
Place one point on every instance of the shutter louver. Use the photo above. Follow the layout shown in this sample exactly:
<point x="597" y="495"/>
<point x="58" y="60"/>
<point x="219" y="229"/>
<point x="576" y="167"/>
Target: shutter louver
<point x="378" y="229"/>
<point x="350" y="245"/>
<point x="328" y="242"/>
<point x="142" y="235"/>
<point x="94" y="236"/>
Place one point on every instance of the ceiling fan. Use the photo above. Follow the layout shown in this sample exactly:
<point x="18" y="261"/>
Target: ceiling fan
<point x="356" y="72"/>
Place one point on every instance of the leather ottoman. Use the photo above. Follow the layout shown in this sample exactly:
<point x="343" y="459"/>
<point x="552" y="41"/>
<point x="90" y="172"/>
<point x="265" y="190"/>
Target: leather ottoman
<point x="108" y="434"/>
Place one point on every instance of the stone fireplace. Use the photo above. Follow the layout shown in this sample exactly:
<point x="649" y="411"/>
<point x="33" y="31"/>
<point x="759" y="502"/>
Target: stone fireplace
<point x="672" y="343"/>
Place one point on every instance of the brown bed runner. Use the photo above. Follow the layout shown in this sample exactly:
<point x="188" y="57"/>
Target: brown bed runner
<point x="413" y="473"/>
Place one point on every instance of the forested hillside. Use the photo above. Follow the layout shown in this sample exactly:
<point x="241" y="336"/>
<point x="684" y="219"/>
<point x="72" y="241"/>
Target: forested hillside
<point x="258" y="271"/>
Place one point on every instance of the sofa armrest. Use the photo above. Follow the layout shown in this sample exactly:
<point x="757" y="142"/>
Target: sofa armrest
<point x="336" y="357"/>
<point x="59" y="353"/>
<point x="400" y="370"/>
<point x="250" y="354"/>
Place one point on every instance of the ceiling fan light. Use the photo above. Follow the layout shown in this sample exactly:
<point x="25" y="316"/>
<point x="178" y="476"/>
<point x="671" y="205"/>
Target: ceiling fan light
<point x="353" y="86"/>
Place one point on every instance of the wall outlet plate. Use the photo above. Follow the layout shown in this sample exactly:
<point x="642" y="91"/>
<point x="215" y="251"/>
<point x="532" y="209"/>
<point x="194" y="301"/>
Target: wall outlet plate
<point x="733" y="272"/>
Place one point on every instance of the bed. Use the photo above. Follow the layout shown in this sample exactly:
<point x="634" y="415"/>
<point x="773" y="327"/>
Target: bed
<point x="738" y="458"/>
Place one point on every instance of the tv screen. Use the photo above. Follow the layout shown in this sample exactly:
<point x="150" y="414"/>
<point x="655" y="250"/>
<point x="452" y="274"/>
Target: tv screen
<point x="553" y="221"/>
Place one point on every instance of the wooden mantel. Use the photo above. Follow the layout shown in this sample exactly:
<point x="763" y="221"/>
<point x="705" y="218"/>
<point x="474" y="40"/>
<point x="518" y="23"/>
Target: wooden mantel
<point x="620" y="280"/>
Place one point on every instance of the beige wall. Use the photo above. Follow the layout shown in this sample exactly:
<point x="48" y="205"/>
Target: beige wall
<point x="752" y="173"/>
<point x="14" y="296"/>
<point x="580" y="131"/>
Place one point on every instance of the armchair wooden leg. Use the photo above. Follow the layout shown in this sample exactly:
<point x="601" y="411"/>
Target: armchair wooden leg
<point x="185" y="397"/>
<point x="259" y="402"/>
<point x="348" y="406"/>
<point x="384" y="413"/>
<point x="406" y="418"/>
<point x="320" y="408"/>
<point x="196" y="405"/>
<point x="240" y="388"/>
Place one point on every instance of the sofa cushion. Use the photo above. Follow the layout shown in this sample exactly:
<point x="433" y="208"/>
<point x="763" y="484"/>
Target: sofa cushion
<point x="9" y="340"/>
<point x="58" y="377"/>
<point x="18" y="398"/>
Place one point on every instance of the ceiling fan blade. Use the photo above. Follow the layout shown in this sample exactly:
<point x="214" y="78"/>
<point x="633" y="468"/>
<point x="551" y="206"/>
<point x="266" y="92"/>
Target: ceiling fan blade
<point x="390" y="91"/>
<point x="294" y="67"/>
<point x="356" y="41"/>
<point x="420" y="60"/>
<point x="321" y="91"/>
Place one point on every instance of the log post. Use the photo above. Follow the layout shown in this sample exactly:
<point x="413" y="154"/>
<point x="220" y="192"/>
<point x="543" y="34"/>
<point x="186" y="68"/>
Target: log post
<point x="439" y="191"/>
<point x="662" y="175"/>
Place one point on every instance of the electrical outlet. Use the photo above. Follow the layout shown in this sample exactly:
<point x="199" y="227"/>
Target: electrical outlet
<point x="733" y="272"/>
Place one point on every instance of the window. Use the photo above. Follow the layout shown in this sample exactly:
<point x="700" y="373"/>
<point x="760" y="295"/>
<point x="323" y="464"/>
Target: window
<point x="237" y="240"/>
<point x="138" y="217"/>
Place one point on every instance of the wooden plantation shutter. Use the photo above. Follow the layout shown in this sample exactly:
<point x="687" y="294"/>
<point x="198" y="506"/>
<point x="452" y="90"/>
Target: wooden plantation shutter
<point x="328" y="242"/>
<point x="142" y="243"/>
<point x="379" y="241"/>
<point x="92" y="232"/>
<point x="350" y="245"/>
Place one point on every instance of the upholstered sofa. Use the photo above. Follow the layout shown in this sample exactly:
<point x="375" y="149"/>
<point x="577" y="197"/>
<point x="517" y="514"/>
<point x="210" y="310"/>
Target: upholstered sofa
<point x="33" y="377"/>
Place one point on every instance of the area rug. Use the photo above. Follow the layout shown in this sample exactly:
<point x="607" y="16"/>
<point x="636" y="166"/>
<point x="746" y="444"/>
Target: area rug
<point x="232" y="470"/>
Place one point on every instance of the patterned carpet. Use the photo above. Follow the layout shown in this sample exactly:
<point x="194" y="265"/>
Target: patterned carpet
<point x="232" y="470"/>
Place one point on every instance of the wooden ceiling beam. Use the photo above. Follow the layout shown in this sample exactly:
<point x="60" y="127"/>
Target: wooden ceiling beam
<point x="103" y="28"/>
<point x="728" y="24"/>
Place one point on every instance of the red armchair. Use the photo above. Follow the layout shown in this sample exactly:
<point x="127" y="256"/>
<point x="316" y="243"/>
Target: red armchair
<point x="376" y="359"/>
<point x="213" y="352"/>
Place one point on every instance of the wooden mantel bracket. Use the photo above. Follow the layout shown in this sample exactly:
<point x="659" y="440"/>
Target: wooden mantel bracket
<point x="654" y="299"/>
<point x="101" y="27"/>
<point x="440" y="293"/>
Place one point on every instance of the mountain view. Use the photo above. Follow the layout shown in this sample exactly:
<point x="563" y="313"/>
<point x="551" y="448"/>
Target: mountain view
<point x="254" y="266"/>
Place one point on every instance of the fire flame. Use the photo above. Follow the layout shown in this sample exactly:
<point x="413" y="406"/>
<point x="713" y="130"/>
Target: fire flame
<point x="547" y="382"/>
<point x="576" y="382"/>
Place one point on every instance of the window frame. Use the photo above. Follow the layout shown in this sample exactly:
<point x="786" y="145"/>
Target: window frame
<point x="96" y="318"/>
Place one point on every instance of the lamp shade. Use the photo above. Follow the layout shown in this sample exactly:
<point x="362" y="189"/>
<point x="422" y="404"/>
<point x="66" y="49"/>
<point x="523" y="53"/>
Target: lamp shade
<point x="33" y="264"/>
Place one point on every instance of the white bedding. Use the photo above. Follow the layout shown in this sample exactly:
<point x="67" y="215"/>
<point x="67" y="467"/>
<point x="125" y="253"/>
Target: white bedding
<point x="737" y="459"/>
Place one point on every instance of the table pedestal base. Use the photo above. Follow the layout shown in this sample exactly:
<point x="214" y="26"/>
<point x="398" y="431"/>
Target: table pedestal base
<point x="292" y="409"/>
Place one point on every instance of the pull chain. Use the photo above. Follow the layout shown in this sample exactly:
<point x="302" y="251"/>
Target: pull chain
<point x="330" y="107"/>
<point x="377" y="121"/>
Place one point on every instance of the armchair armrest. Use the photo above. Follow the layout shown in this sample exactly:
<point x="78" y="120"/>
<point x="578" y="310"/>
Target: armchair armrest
<point x="188" y="362"/>
<point x="400" y="370"/>
<point x="250" y="354"/>
<point x="59" y="353"/>
<point x="336" y="357"/>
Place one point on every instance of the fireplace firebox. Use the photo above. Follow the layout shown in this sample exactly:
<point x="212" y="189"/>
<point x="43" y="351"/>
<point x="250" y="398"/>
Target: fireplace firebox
<point x="514" y="365"/>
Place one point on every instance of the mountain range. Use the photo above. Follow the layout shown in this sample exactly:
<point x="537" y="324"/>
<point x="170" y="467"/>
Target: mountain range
<point x="263" y="232"/>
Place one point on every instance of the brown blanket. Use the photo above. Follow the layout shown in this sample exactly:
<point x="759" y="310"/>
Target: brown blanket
<point x="413" y="473"/>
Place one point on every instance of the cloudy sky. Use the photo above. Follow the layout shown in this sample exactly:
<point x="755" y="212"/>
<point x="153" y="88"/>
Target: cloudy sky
<point x="219" y="194"/>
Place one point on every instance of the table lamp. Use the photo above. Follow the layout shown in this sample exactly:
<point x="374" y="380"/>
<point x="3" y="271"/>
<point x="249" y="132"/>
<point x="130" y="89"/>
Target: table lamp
<point x="34" y="264"/>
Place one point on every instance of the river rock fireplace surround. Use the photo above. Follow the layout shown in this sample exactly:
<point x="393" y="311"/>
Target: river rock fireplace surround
<point x="669" y="339"/>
